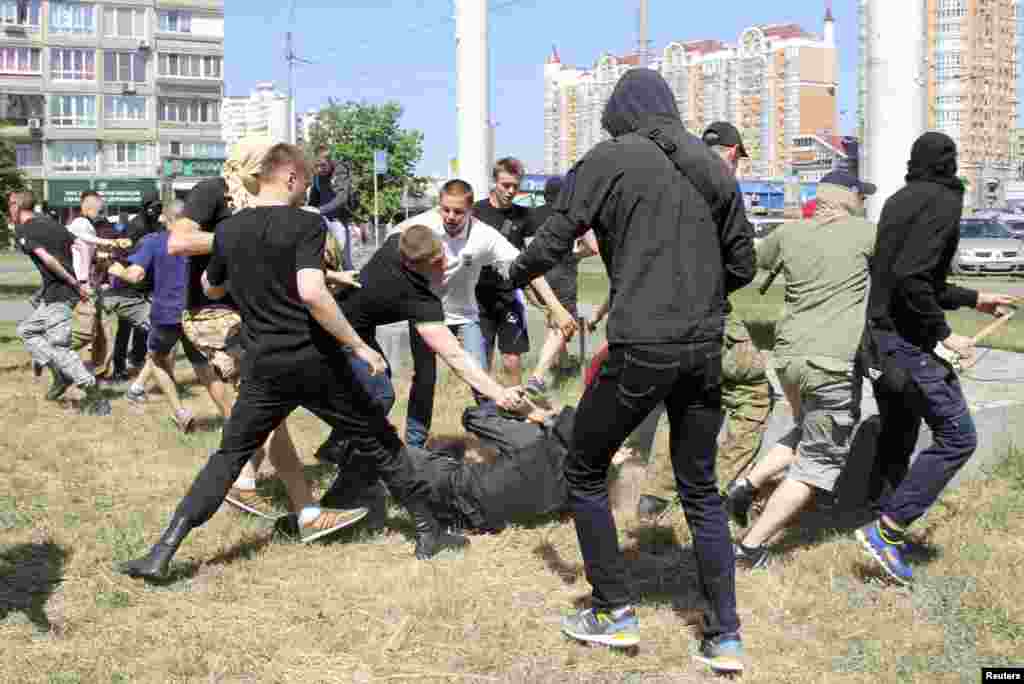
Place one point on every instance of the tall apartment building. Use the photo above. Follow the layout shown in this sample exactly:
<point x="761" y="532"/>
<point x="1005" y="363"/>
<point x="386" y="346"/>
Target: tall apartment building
<point x="777" y="83"/>
<point x="120" y="96"/>
<point x="972" y="53"/>
<point x="263" y="113"/>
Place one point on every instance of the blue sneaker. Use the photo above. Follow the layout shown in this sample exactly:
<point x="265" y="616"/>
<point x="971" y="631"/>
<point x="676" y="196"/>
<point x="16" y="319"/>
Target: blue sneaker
<point x="723" y="653"/>
<point x="889" y="556"/>
<point x="618" y="629"/>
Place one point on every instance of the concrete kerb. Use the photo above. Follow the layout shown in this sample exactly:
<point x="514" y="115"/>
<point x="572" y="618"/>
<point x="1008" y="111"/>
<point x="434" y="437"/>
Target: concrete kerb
<point x="994" y="389"/>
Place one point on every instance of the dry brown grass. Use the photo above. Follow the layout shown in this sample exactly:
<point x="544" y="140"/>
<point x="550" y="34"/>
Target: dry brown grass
<point x="78" y="494"/>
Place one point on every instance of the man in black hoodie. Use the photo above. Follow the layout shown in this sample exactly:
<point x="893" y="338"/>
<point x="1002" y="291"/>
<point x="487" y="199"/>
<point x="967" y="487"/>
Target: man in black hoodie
<point x="918" y="235"/>
<point x="672" y="231"/>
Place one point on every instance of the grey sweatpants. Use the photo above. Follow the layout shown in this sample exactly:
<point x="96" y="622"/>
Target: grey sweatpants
<point x="47" y="337"/>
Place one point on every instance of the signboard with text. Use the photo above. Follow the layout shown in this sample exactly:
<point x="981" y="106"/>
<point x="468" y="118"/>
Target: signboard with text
<point x="193" y="168"/>
<point x="116" y="192"/>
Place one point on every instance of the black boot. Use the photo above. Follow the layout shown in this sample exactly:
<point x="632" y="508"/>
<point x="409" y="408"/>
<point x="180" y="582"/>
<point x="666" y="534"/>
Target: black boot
<point x="153" y="566"/>
<point x="431" y="538"/>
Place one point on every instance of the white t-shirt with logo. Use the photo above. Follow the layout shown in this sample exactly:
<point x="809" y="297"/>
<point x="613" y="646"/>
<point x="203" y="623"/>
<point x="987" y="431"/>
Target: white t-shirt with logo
<point x="476" y="246"/>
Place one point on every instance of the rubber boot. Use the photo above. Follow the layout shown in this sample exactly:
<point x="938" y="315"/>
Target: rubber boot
<point x="154" y="565"/>
<point x="431" y="538"/>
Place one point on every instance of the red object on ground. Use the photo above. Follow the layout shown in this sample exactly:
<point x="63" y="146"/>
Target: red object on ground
<point x="595" y="365"/>
<point x="810" y="208"/>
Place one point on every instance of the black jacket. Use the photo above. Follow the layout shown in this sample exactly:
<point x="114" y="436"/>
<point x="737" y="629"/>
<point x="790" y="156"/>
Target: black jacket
<point x="918" y="235"/>
<point x="673" y="253"/>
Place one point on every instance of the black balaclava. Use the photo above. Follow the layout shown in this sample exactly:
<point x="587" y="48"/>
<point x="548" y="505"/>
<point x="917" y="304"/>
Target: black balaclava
<point x="933" y="158"/>
<point x="552" y="187"/>
<point x="639" y="95"/>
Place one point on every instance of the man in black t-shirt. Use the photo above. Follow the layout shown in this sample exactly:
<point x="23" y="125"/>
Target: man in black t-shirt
<point x="296" y="340"/>
<point x="396" y="285"/>
<point x="47" y="331"/>
<point x="502" y="310"/>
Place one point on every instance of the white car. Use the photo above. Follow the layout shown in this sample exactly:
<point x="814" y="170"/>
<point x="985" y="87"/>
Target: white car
<point x="988" y="247"/>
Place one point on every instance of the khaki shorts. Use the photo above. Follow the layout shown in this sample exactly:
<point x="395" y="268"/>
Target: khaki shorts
<point x="825" y="419"/>
<point x="216" y="332"/>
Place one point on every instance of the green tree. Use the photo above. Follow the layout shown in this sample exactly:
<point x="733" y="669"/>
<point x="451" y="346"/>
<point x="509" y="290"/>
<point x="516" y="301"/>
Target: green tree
<point x="11" y="179"/>
<point x="352" y="131"/>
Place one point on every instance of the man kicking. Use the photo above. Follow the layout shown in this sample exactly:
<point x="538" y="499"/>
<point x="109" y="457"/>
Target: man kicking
<point x="298" y="345"/>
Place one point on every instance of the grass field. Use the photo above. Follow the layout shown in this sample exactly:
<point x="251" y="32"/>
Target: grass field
<point x="78" y="495"/>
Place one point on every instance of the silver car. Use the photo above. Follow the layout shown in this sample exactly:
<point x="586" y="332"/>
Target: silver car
<point x="988" y="247"/>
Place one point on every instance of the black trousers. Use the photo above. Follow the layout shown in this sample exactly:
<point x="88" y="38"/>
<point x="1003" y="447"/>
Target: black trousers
<point x="635" y="380"/>
<point x="329" y="390"/>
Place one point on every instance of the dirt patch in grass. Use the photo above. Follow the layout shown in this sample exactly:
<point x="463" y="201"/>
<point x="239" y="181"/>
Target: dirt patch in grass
<point x="78" y="494"/>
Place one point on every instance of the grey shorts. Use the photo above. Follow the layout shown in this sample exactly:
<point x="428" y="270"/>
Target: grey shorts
<point x="821" y="438"/>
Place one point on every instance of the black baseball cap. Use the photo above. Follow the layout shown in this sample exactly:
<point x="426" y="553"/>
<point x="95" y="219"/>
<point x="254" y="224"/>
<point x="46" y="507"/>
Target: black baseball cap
<point x="847" y="180"/>
<point x="725" y="134"/>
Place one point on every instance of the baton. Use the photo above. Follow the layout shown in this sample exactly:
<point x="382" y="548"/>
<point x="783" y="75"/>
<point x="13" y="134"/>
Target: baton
<point x="766" y="285"/>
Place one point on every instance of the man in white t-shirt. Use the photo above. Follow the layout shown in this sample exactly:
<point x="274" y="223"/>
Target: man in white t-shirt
<point x="469" y="245"/>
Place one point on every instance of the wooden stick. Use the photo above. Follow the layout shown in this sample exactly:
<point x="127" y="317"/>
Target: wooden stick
<point x="994" y="325"/>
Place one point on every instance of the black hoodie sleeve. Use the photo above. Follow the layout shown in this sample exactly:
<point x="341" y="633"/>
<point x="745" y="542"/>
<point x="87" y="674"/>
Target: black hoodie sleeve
<point x="913" y="273"/>
<point x="586" y="192"/>
<point x="737" y="237"/>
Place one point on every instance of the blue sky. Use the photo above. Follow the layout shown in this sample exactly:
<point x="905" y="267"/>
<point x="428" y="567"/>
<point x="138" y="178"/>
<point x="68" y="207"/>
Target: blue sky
<point x="405" y="51"/>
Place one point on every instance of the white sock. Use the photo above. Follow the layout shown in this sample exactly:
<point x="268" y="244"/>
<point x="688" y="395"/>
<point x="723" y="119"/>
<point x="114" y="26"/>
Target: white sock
<point x="245" y="483"/>
<point x="137" y="389"/>
<point x="309" y="514"/>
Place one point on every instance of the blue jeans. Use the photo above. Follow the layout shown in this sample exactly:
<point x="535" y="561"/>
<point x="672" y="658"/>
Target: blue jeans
<point x="377" y="387"/>
<point x="636" y="380"/>
<point x="424" y="377"/>
<point x="935" y="397"/>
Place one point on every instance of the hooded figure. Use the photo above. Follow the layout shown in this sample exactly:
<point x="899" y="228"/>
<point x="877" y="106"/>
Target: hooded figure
<point x="670" y="222"/>
<point x="918" y="235"/>
<point x="146" y="221"/>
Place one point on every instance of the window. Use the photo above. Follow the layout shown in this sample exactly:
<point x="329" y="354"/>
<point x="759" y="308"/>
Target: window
<point x="190" y="66"/>
<point x="29" y="154"/>
<point x="71" y="17"/>
<point x="189" y="111"/>
<point x="16" y="110"/>
<point x="20" y="60"/>
<point x="124" y="108"/>
<point x="73" y="111"/>
<point x="195" y="150"/>
<point x="176" y="22"/>
<point x="124" y="22"/>
<point x="72" y="65"/>
<point x="73" y="156"/>
<point x="127" y="156"/>
<point x="20" y="12"/>
<point x="124" y="66"/>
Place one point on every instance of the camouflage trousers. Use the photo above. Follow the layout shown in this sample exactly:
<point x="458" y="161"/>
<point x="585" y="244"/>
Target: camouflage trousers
<point x="747" y="410"/>
<point x="216" y="331"/>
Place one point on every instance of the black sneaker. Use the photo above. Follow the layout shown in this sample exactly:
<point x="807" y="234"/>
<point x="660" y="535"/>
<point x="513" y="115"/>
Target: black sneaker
<point x="738" y="499"/>
<point x="37" y="369"/>
<point x="747" y="558"/>
<point x="59" y="384"/>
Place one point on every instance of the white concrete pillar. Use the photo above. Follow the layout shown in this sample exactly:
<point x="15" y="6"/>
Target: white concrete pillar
<point x="897" y="101"/>
<point x="473" y="93"/>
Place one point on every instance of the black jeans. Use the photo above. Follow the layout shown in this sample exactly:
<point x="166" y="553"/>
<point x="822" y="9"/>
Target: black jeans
<point x="133" y="336"/>
<point x="331" y="391"/>
<point x="634" y="380"/>
<point x="935" y="397"/>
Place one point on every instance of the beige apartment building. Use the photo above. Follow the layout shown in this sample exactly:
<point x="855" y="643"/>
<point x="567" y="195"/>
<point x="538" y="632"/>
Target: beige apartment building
<point x="120" y="96"/>
<point x="778" y="84"/>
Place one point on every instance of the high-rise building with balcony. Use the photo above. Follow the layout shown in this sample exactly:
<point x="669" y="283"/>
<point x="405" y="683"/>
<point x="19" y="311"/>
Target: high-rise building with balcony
<point x="120" y="97"/>
<point x="972" y="86"/>
<point x="777" y="83"/>
<point x="263" y="114"/>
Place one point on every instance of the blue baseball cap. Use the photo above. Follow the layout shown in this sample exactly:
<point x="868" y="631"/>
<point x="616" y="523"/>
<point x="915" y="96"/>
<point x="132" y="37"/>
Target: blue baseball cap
<point x="847" y="180"/>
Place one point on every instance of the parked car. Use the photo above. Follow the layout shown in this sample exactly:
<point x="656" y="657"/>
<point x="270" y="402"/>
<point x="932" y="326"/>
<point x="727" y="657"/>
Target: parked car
<point x="1016" y="227"/>
<point x="987" y="247"/>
